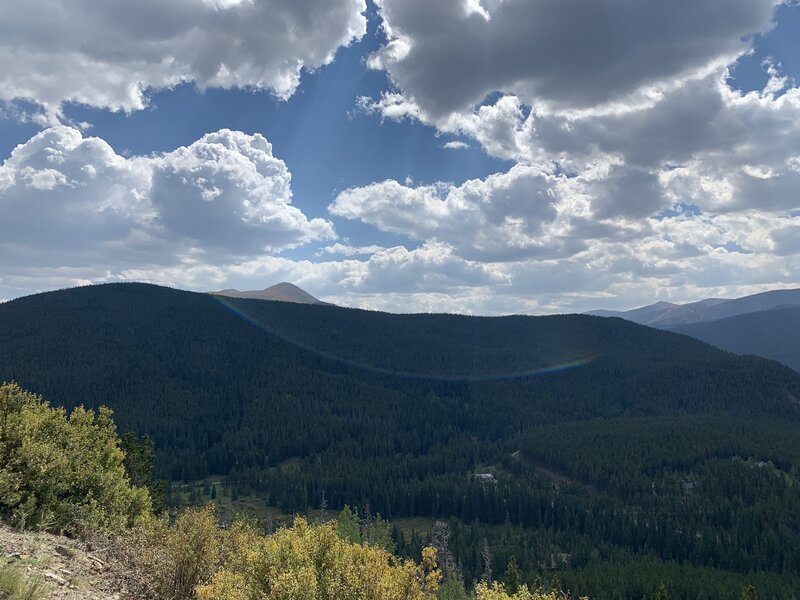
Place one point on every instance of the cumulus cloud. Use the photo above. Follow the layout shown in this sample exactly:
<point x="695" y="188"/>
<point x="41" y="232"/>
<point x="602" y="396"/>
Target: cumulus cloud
<point x="564" y="55"/>
<point x="499" y="218"/>
<point x="702" y="144"/>
<point x="109" y="54"/>
<point x="433" y="267"/>
<point x="691" y="196"/>
<point x="72" y="201"/>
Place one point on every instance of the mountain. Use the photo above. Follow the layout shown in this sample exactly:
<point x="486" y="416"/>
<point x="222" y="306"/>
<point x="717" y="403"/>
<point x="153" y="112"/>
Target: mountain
<point x="663" y="314"/>
<point x="771" y="333"/>
<point x="749" y="325"/>
<point x="282" y="292"/>
<point x="749" y="304"/>
<point x="643" y="315"/>
<point x="666" y="315"/>
<point x="621" y="456"/>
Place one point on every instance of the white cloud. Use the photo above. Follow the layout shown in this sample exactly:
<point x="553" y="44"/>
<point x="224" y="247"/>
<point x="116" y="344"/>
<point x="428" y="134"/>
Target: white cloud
<point x="109" y="54"/>
<point x="347" y="250"/>
<point x="691" y="197"/>
<point x="499" y="218"/>
<point x="433" y="267"/>
<point x="72" y="201"/>
<point x="456" y="145"/>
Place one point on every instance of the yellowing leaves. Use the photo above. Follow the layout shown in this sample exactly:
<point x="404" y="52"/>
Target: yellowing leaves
<point x="308" y="562"/>
<point x="497" y="592"/>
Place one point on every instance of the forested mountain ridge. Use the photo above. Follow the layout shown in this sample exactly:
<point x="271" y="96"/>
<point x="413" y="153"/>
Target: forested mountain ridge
<point x="771" y="333"/>
<point x="297" y="403"/>
<point x="666" y="315"/>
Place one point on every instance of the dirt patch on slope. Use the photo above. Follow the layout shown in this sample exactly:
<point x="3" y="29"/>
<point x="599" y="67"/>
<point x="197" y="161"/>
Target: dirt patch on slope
<point x="72" y="570"/>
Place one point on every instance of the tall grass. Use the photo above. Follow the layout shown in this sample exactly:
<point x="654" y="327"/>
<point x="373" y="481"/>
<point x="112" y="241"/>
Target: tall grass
<point x="16" y="585"/>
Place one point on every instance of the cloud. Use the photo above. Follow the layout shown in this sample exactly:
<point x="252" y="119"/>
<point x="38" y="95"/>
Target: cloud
<point x="499" y="218"/>
<point x="555" y="54"/>
<point x="456" y="145"/>
<point x="347" y="250"/>
<point x="110" y="54"/>
<point x="70" y="201"/>
<point x="433" y="267"/>
<point x="703" y="143"/>
<point x="691" y="197"/>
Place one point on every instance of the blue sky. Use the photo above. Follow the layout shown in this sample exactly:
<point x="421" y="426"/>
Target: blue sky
<point x="487" y="157"/>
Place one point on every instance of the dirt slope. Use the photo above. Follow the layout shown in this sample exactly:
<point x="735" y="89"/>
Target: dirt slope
<point x="71" y="569"/>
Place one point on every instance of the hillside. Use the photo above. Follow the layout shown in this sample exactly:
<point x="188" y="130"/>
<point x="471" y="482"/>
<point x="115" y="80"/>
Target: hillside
<point x="66" y="568"/>
<point x="298" y="404"/>
<point x="769" y="333"/>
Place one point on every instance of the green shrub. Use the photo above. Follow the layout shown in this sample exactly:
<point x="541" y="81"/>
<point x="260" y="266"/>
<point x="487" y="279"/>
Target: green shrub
<point x="169" y="560"/>
<point x="63" y="473"/>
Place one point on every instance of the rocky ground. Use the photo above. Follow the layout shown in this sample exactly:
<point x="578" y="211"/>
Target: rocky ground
<point x="72" y="570"/>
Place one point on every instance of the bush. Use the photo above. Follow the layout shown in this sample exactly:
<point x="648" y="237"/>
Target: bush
<point x="168" y="560"/>
<point x="498" y="592"/>
<point x="308" y="562"/>
<point x="63" y="473"/>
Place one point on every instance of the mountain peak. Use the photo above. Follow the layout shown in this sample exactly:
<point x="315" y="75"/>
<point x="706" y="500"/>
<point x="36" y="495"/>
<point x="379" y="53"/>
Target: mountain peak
<point x="281" y="292"/>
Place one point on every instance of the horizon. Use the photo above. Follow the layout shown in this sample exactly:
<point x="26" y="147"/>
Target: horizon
<point x="398" y="312"/>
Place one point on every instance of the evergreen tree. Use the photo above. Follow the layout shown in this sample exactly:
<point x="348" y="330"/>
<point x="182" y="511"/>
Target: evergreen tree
<point x="661" y="592"/>
<point x="348" y="526"/>
<point x="512" y="577"/>
<point x="749" y="593"/>
<point x="486" y="558"/>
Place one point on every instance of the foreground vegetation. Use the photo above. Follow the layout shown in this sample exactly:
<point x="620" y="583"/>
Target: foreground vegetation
<point x="15" y="585"/>
<point x="63" y="473"/>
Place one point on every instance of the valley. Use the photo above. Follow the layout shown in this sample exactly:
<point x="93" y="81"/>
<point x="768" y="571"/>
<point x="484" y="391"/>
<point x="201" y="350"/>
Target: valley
<point x="643" y="456"/>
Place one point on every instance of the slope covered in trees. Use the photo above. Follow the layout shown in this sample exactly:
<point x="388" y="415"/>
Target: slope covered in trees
<point x="770" y="333"/>
<point x="300" y="404"/>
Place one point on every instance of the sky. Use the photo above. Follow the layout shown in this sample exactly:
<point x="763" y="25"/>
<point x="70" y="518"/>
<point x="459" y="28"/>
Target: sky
<point x="471" y="156"/>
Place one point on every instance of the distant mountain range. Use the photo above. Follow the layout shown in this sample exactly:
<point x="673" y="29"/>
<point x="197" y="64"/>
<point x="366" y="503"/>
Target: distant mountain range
<point x="282" y="292"/>
<point x="765" y="324"/>
<point x="773" y="333"/>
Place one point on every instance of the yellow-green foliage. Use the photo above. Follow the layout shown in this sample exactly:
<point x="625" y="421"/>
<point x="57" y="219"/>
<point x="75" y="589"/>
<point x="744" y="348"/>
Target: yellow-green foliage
<point x="173" y="559"/>
<point x="308" y="562"/>
<point x="62" y="472"/>
<point x="498" y="592"/>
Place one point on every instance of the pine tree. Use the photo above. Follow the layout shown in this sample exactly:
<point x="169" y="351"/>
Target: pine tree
<point x="348" y="526"/>
<point x="486" y="557"/>
<point x="749" y="593"/>
<point x="512" y="579"/>
<point x="661" y="593"/>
